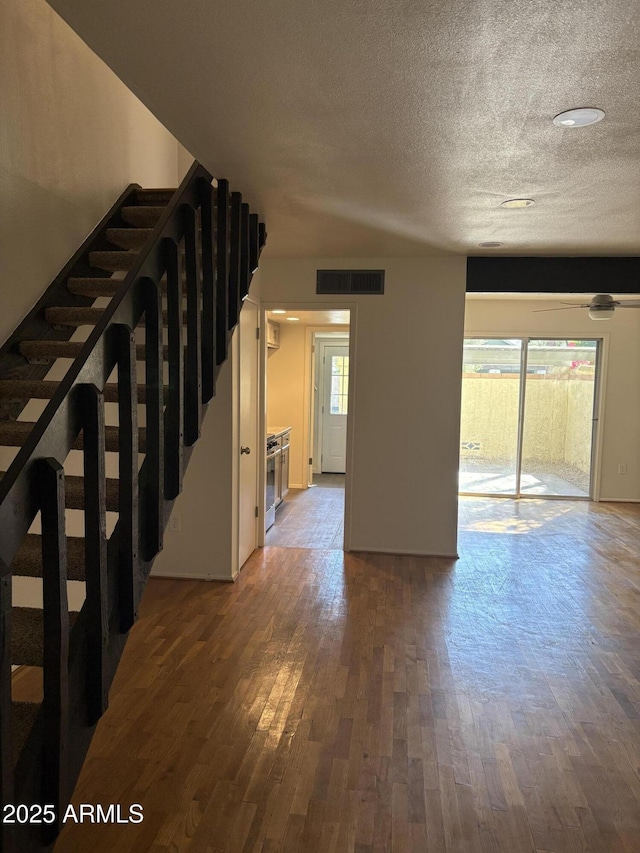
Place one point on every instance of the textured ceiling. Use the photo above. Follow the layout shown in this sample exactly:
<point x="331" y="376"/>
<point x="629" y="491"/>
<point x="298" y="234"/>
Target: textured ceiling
<point x="368" y="127"/>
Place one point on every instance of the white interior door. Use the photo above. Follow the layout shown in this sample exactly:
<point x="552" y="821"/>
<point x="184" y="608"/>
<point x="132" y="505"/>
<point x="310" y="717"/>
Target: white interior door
<point x="249" y="440"/>
<point x="335" y="368"/>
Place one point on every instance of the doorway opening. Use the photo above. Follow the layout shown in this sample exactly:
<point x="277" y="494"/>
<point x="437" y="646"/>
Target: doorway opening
<point x="529" y="417"/>
<point x="308" y="380"/>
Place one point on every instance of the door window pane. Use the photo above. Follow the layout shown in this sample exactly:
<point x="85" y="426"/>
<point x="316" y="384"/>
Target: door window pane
<point x="339" y="384"/>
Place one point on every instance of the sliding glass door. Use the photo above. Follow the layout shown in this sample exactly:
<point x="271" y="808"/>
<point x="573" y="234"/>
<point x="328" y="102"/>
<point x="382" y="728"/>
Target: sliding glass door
<point x="528" y="416"/>
<point x="490" y="412"/>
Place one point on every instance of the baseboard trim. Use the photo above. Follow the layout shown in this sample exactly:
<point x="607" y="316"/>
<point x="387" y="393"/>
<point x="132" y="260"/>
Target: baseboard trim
<point x="297" y="486"/>
<point x="620" y="500"/>
<point x="401" y="553"/>
<point x="190" y="577"/>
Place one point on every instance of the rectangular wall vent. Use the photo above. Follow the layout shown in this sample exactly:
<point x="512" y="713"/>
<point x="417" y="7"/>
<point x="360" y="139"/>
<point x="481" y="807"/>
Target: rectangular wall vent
<point x="358" y="282"/>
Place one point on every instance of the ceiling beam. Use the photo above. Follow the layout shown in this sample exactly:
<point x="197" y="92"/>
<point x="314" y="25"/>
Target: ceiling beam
<point x="553" y="275"/>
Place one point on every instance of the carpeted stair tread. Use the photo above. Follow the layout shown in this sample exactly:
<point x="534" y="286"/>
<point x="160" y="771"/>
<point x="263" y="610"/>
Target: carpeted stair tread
<point x="27" y="389"/>
<point x="50" y="349"/>
<point x="27" y="626"/>
<point x="33" y="389"/>
<point x="112" y="439"/>
<point x="73" y="316"/>
<point x="74" y="492"/>
<point x="94" y="287"/>
<point x="66" y="349"/>
<point x="113" y="261"/>
<point x="23" y="716"/>
<point x="155" y="197"/>
<point x="15" y="433"/>
<point x="28" y="561"/>
<point x="144" y="216"/>
<point x="78" y="316"/>
<point x="129" y="238"/>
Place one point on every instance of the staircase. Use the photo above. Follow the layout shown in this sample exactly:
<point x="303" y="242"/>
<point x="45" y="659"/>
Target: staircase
<point x="159" y="284"/>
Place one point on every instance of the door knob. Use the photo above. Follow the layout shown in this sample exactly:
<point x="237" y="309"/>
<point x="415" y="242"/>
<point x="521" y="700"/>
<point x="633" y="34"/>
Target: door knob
<point x="246" y="450"/>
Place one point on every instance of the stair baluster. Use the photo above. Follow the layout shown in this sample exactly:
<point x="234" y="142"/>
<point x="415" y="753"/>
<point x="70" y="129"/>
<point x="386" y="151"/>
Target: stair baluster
<point x="152" y="505"/>
<point x="208" y="295"/>
<point x="127" y="527"/>
<point x="223" y="248"/>
<point x="193" y="383"/>
<point x="95" y="550"/>
<point x="254" y="247"/>
<point x="6" y="740"/>
<point x="234" y="262"/>
<point x="55" y="705"/>
<point x="174" y="415"/>
<point x="245" y="238"/>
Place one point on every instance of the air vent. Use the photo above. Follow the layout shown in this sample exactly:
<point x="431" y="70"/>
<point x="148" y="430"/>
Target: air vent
<point x="360" y="282"/>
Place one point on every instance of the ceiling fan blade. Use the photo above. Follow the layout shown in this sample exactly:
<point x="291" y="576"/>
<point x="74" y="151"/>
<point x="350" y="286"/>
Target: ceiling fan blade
<point x="629" y="303"/>
<point x="542" y="310"/>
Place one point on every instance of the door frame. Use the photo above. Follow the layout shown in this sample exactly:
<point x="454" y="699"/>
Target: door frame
<point x="308" y="385"/>
<point x="598" y="407"/>
<point x="237" y="435"/>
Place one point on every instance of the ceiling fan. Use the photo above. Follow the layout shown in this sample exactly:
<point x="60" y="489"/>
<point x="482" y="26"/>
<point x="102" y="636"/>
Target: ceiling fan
<point x="601" y="307"/>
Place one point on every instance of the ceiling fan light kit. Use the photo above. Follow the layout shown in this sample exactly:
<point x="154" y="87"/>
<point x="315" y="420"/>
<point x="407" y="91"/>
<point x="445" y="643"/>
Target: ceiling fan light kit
<point x="601" y="307"/>
<point x="601" y="312"/>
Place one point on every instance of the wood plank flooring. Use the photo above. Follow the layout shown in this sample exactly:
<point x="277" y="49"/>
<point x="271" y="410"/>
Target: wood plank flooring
<point x="311" y="518"/>
<point x="367" y="703"/>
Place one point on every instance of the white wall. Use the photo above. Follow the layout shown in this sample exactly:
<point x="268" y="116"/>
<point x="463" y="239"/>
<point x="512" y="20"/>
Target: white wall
<point x="405" y="409"/>
<point x="73" y="136"/>
<point x="204" y="546"/>
<point x="620" y="424"/>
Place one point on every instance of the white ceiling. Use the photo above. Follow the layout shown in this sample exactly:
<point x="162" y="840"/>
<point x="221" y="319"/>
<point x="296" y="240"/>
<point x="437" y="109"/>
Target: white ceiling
<point x="368" y="127"/>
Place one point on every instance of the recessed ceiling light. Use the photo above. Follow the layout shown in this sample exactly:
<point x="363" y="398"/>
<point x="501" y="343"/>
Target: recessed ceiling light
<point x="278" y="311"/>
<point x="490" y="244"/>
<point x="293" y="319"/>
<point x="515" y="203"/>
<point x="579" y="118"/>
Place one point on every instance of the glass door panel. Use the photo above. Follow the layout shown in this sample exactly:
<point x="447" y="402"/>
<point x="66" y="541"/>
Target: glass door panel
<point x="489" y="419"/>
<point x="557" y="433"/>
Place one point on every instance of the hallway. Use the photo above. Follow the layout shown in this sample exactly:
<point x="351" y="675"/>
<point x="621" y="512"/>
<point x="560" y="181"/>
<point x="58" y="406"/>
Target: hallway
<point x="371" y="703"/>
<point x="311" y="518"/>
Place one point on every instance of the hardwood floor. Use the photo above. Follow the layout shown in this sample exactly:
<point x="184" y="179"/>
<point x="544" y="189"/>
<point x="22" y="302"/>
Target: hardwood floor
<point x="359" y="702"/>
<point x="311" y="518"/>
